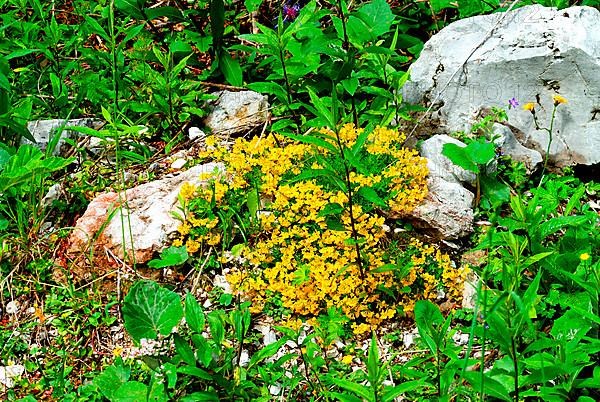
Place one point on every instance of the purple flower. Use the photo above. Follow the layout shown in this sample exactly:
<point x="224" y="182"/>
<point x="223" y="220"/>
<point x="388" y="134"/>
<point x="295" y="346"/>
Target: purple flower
<point x="290" y="12"/>
<point x="513" y="103"/>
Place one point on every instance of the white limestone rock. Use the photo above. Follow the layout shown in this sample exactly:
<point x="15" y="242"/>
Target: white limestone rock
<point x="530" y="53"/>
<point x="234" y="112"/>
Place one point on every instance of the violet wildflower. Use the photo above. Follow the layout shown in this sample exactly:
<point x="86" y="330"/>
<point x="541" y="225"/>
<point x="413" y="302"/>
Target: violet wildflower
<point x="290" y="12"/>
<point x="513" y="103"/>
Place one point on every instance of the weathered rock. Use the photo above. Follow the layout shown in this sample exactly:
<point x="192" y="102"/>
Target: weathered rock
<point x="447" y="210"/>
<point x="509" y="145"/>
<point x="42" y="131"/>
<point x="233" y="112"/>
<point x="146" y="223"/>
<point x="530" y="53"/>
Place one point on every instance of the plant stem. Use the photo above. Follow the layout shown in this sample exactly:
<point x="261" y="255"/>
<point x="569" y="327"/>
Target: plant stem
<point x="549" y="131"/>
<point x="351" y="206"/>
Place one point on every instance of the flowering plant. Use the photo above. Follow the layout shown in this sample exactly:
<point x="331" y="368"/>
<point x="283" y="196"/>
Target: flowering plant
<point x="299" y="258"/>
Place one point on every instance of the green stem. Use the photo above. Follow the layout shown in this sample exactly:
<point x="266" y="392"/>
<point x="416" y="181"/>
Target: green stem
<point x="351" y="206"/>
<point x="549" y="131"/>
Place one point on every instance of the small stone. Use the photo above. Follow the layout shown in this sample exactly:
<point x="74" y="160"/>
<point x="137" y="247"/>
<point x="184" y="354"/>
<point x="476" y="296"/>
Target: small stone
<point x="178" y="163"/>
<point x="8" y="373"/>
<point x="12" y="307"/>
<point x="195" y="132"/>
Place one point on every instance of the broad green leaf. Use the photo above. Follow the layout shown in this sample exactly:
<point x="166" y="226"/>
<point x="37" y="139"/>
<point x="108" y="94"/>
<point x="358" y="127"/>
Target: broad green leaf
<point x="170" y="257"/>
<point x="131" y="391"/>
<point x="205" y="396"/>
<point x="252" y="202"/>
<point x="231" y="69"/>
<point x="149" y="310"/>
<point x="172" y="13"/>
<point x="331" y="209"/>
<point x="459" y="157"/>
<point x="321" y="110"/>
<point x="20" y="53"/>
<point x="481" y="152"/>
<point x="346" y="397"/>
<point x="111" y="379"/>
<point x="350" y="85"/>
<point x="491" y="387"/>
<point x="369" y="22"/>
<point x="252" y="5"/>
<point x="194" y="315"/>
<point x="428" y="319"/>
<point x="373" y="363"/>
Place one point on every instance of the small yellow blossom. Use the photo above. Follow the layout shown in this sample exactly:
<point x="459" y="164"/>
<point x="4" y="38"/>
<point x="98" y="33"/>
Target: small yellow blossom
<point x="347" y="359"/>
<point x="187" y="191"/>
<point x="530" y="106"/>
<point x="558" y="99"/>
<point x="584" y="257"/>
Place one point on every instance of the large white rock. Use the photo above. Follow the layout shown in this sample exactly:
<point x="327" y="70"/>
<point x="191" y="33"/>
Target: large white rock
<point x="530" y="53"/>
<point x="233" y="112"/>
<point x="144" y="226"/>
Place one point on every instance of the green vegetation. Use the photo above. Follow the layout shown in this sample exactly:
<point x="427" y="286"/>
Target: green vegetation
<point x="321" y="295"/>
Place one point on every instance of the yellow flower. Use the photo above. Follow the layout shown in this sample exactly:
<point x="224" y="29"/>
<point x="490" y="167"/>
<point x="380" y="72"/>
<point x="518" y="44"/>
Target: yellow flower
<point x="187" y="191"/>
<point x="558" y="99"/>
<point x="530" y="106"/>
<point x="347" y="359"/>
<point x="584" y="257"/>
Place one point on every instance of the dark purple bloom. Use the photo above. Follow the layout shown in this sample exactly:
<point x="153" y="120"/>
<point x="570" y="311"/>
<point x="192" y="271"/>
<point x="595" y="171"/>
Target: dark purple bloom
<point x="290" y="12"/>
<point x="513" y="103"/>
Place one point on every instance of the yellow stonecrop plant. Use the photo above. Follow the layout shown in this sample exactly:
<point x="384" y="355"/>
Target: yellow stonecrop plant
<point x="297" y="259"/>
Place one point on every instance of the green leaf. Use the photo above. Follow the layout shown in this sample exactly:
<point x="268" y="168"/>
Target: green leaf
<point x="346" y="397"/>
<point x="373" y="363"/>
<point x="111" y="379"/>
<point x="97" y="28"/>
<point x="131" y="8"/>
<point x="184" y="350"/>
<point x="369" y="194"/>
<point x="266" y="352"/>
<point x="481" y="152"/>
<point x="170" y="257"/>
<point x="331" y="209"/>
<point x="149" y="310"/>
<point x="321" y="111"/>
<point x="428" y="317"/>
<point x="194" y="315"/>
<point x="390" y="394"/>
<point x="215" y="322"/>
<point x="252" y="5"/>
<point x="205" y="396"/>
<point x="196" y="372"/>
<point x="356" y="389"/>
<point x="252" y="202"/>
<point x="350" y="85"/>
<point x="131" y="391"/>
<point x="458" y="155"/>
<point x="369" y="22"/>
<point x="492" y="387"/>
<point x="231" y="69"/>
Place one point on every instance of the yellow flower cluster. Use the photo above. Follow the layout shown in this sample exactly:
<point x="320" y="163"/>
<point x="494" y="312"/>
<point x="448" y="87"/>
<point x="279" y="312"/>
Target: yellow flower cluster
<point x="194" y="231"/>
<point x="302" y="260"/>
